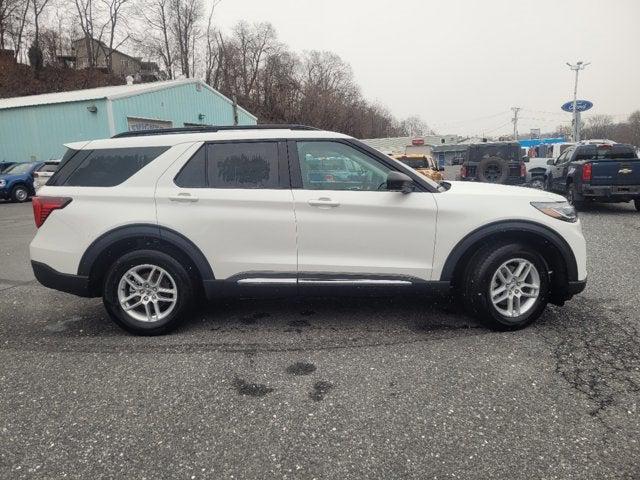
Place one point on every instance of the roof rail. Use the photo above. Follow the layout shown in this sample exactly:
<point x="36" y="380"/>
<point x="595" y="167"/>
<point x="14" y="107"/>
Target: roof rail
<point x="209" y="129"/>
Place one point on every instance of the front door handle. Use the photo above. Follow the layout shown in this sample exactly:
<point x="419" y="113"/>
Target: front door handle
<point x="323" y="202"/>
<point x="183" y="197"/>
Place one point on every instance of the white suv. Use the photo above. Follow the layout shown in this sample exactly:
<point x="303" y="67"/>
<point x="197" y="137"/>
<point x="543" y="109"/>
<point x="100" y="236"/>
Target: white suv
<point x="152" y="220"/>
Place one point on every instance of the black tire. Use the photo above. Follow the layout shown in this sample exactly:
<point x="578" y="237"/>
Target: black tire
<point x="574" y="197"/>
<point x="183" y="284"/>
<point x="493" y="170"/>
<point x="477" y="283"/>
<point x="636" y="202"/>
<point x="20" y="194"/>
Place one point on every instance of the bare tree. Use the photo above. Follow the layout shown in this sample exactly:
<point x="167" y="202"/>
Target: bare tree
<point x="15" y="25"/>
<point x="114" y="11"/>
<point x="86" y="20"/>
<point x="598" y="126"/>
<point x="185" y="27"/>
<point x="157" y="40"/>
<point x="414" y="126"/>
<point x="38" y="8"/>
<point x="8" y="10"/>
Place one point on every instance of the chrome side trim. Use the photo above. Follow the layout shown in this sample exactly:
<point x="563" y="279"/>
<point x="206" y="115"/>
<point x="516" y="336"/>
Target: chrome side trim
<point x="337" y="281"/>
<point x="259" y="281"/>
<point x="355" y="282"/>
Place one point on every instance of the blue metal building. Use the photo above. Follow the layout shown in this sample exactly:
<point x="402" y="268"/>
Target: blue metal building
<point x="36" y="127"/>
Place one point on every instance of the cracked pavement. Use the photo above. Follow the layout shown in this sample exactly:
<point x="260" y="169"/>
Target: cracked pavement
<point x="324" y="388"/>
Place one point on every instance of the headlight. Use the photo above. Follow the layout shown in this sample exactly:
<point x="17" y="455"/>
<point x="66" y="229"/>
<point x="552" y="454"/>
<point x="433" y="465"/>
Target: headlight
<point x="560" y="210"/>
<point x="3" y="183"/>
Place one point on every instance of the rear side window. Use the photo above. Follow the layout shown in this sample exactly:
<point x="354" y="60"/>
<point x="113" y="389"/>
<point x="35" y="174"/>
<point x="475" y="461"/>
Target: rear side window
<point x="242" y="165"/>
<point x="104" y="167"/>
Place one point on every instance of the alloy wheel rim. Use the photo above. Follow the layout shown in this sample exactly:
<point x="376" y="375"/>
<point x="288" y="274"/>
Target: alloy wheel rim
<point x="147" y="293"/>
<point x="21" y="195"/>
<point x="515" y="287"/>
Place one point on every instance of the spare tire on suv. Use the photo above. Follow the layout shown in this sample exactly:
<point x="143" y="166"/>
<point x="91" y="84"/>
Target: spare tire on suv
<point x="493" y="170"/>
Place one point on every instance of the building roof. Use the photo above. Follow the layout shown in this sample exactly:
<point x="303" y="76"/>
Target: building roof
<point x="398" y="144"/>
<point x="109" y="93"/>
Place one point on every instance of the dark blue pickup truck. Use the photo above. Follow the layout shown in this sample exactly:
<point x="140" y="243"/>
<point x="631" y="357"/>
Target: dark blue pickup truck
<point x="596" y="172"/>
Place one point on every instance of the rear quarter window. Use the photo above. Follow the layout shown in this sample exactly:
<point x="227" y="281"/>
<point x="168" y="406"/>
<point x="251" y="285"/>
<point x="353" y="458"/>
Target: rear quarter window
<point x="104" y="167"/>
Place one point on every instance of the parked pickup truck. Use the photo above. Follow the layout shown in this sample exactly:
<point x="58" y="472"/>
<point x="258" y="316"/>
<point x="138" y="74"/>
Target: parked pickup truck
<point x="607" y="172"/>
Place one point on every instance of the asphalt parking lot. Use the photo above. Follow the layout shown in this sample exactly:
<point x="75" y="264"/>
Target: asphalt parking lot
<point x="324" y="388"/>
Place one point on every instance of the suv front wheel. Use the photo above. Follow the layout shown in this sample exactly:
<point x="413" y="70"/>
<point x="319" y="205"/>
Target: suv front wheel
<point x="506" y="287"/>
<point x="147" y="292"/>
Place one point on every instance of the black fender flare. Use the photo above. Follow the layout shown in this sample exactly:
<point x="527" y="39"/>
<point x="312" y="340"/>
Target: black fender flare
<point x="150" y="232"/>
<point x="516" y="226"/>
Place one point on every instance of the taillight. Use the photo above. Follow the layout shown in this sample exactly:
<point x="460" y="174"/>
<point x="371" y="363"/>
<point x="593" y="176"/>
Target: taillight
<point x="43" y="206"/>
<point x="463" y="171"/>
<point x="586" y="172"/>
<point x="523" y="169"/>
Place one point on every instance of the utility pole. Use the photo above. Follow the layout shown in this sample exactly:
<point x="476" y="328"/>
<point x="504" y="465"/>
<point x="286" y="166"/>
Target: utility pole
<point x="515" y="110"/>
<point x="576" y="116"/>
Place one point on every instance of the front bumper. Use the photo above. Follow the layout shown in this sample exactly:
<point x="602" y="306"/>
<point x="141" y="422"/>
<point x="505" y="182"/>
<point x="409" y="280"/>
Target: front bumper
<point x="64" y="282"/>
<point x="4" y="193"/>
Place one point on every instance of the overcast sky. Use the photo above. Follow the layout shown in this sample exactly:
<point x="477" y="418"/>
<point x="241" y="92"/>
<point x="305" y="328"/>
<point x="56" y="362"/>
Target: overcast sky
<point x="454" y="61"/>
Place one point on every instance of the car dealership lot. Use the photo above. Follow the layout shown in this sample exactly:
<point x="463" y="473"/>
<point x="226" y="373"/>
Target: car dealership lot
<point x="324" y="388"/>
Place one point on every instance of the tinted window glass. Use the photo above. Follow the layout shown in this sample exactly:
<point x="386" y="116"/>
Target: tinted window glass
<point x="193" y="174"/>
<point x="109" y="167"/>
<point x="242" y="165"/>
<point x="336" y="166"/>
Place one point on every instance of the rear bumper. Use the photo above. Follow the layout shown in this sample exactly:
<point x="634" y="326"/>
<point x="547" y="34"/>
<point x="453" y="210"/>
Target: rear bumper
<point x="508" y="181"/>
<point x="64" y="282"/>
<point x="611" y="192"/>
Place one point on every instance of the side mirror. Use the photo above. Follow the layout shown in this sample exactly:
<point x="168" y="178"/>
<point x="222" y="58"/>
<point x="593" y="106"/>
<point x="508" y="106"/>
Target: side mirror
<point x="551" y="161"/>
<point x="525" y="159"/>
<point x="399" y="182"/>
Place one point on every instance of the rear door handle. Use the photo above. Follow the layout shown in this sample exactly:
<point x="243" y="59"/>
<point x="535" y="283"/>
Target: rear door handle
<point x="183" y="197"/>
<point x="323" y="202"/>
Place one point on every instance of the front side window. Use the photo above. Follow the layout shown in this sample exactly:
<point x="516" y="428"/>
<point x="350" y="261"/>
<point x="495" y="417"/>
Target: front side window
<point x="336" y="166"/>
<point x="242" y="165"/>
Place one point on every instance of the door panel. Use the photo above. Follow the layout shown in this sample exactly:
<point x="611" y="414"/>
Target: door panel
<point x="239" y="230"/>
<point x="349" y="224"/>
<point x="366" y="232"/>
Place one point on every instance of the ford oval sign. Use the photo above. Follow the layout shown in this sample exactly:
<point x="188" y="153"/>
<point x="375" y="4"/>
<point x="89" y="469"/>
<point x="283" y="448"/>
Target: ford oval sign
<point x="581" y="106"/>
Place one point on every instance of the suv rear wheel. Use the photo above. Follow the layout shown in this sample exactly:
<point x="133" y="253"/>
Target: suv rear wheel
<point x="148" y="292"/>
<point x="506" y="287"/>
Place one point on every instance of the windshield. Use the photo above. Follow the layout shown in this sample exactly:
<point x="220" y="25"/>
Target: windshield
<point x="19" y="168"/>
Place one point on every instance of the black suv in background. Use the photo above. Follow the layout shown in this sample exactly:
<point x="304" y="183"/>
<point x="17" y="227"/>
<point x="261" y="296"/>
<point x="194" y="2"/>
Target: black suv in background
<point x="499" y="162"/>
<point x="596" y="172"/>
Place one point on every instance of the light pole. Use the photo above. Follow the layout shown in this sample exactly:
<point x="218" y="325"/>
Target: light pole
<point x="576" y="116"/>
<point x="514" y="120"/>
